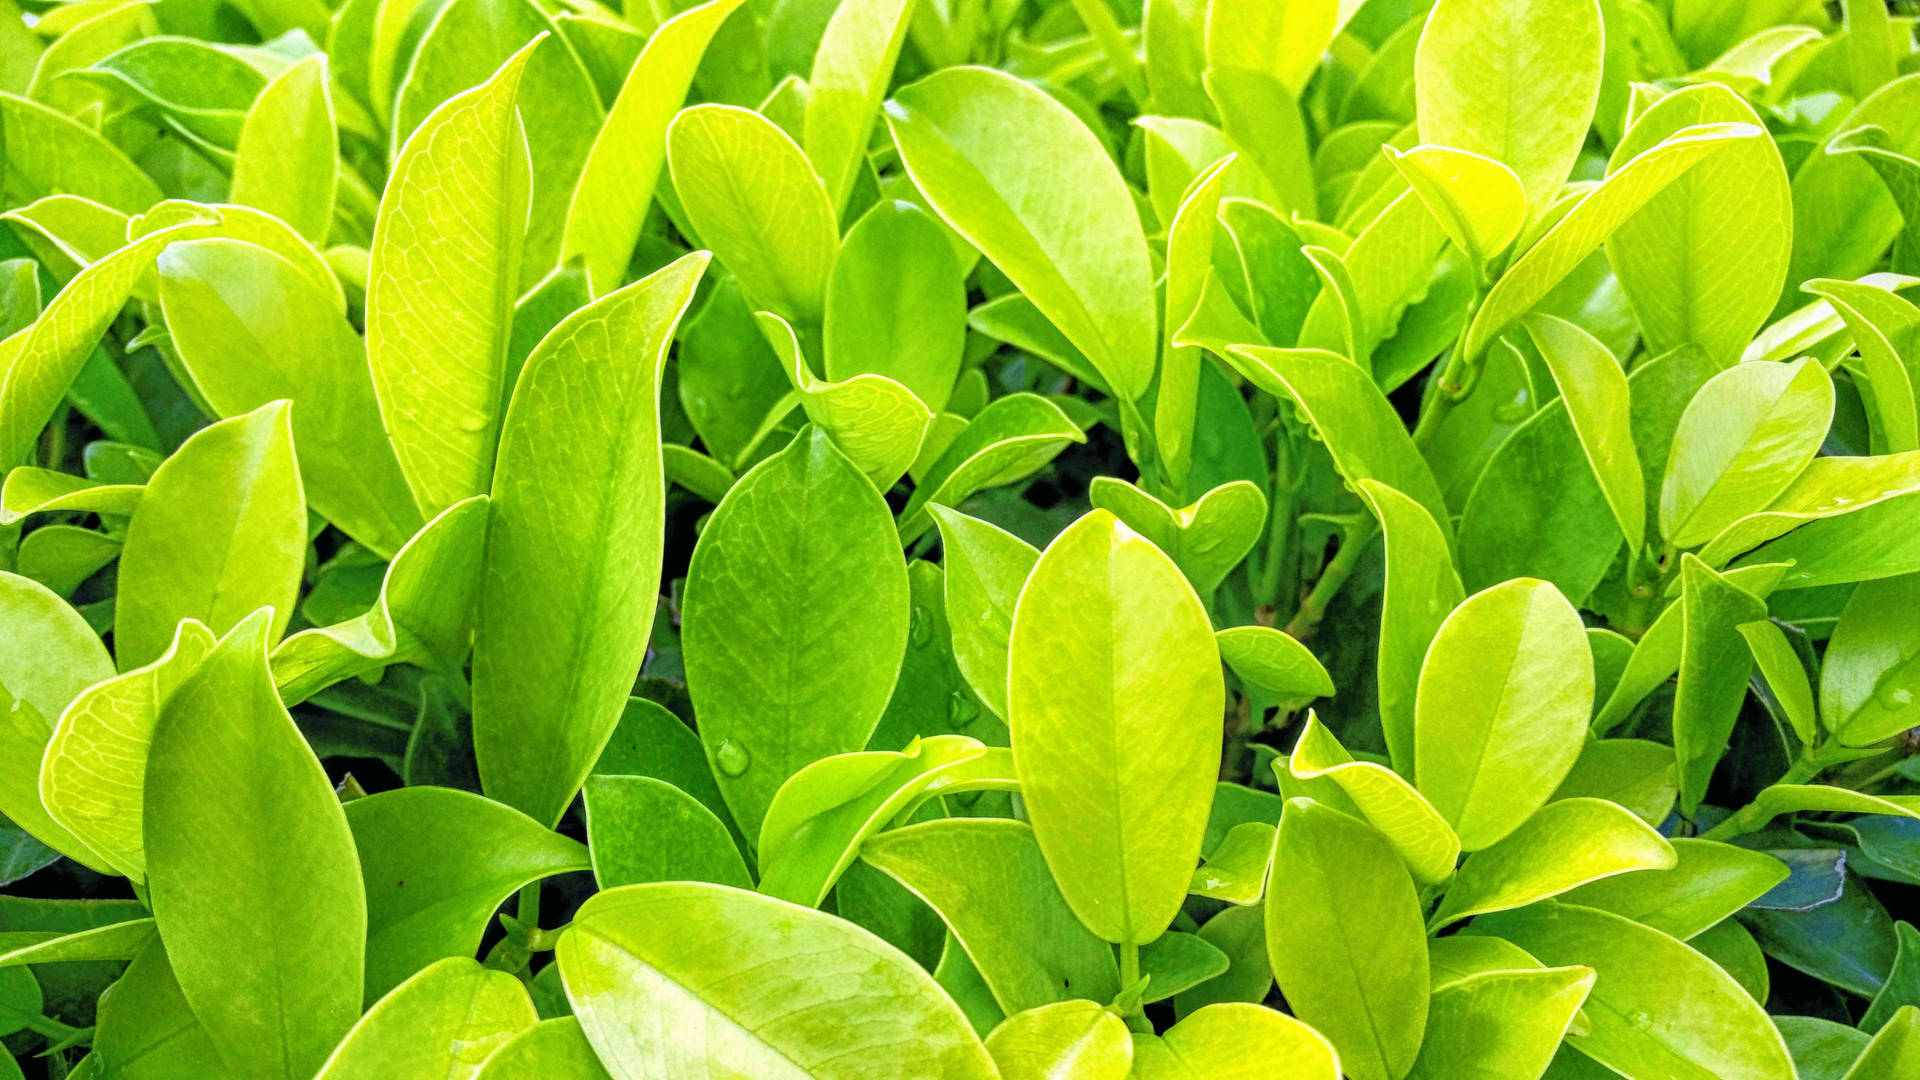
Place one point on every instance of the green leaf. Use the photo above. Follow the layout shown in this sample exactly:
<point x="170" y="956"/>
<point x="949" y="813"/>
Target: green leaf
<point x="896" y="303"/>
<point x="442" y="1023"/>
<point x="1402" y="815"/>
<point x="1517" y="84"/>
<point x="878" y="423"/>
<point x="734" y="965"/>
<point x="1597" y="396"/>
<point x="802" y="541"/>
<point x="993" y="155"/>
<point x="641" y="829"/>
<point x="851" y="70"/>
<point x="1006" y="442"/>
<point x="1565" y="844"/>
<point x="37" y="365"/>
<point x="1391" y="265"/>
<point x="467" y="41"/>
<point x="1067" y="1040"/>
<point x="819" y="818"/>
<point x="1704" y="260"/>
<point x="1477" y="200"/>
<point x="52" y="657"/>
<point x="1114" y="700"/>
<point x="549" y="1050"/>
<point x="436" y="864"/>
<point x="1206" y="540"/>
<point x="986" y="568"/>
<point x="617" y="182"/>
<point x="422" y="615"/>
<point x="1219" y="1040"/>
<point x="1235" y="869"/>
<point x="1347" y="946"/>
<point x="574" y="544"/>
<point x="220" y="532"/>
<point x="1504" y="698"/>
<point x="1656" y="657"/>
<point x="1175" y="962"/>
<point x="757" y="203"/>
<point x="287" y="156"/>
<point x="1894" y="1052"/>
<point x="267" y="948"/>
<point x="50" y="153"/>
<point x="1710" y="881"/>
<point x="1656" y="1004"/>
<point x="1594" y="218"/>
<point x="1422" y="587"/>
<point x="1273" y="662"/>
<point x="1714" y="665"/>
<point x="250" y="328"/>
<point x="114" y="941"/>
<point x="1284" y="41"/>
<point x="1025" y="941"/>
<point x="1501" y="1023"/>
<point x="1748" y="433"/>
<point x="443" y="272"/>
<point x="93" y="776"/>
<point x="1190" y="240"/>
<point x="1867" y="674"/>
<point x="1785" y="675"/>
<point x="1354" y="419"/>
<point x="145" y="1028"/>
<point x="1886" y="329"/>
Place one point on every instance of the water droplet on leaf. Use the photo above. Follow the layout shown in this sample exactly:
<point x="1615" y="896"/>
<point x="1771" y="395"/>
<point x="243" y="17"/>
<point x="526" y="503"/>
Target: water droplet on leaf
<point x="961" y="710"/>
<point x="922" y="627"/>
<point x="731" y="757"/>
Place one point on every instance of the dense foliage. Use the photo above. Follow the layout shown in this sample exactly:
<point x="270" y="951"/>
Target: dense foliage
<point x="951" y="539"/>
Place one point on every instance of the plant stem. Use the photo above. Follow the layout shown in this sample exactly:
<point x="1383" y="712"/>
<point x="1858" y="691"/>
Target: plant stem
<point x="1129" y="969"/>
<point x="1751" y="817"/>
<point x="528" y="910"/>
<point x="1353" y="544"/>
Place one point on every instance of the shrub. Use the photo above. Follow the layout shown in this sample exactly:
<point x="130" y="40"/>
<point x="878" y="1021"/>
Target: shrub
<point x="867" y="539"/>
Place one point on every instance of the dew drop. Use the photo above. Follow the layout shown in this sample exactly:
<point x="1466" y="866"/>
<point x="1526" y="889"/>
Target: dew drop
<point x="1640" y="1021"/>
<point x="472" y="423"/>
<point x="1896" y="687"/>
<point x="731" y="757"/>
<point x="961" y="710"/>
<point x="921" y="631"/>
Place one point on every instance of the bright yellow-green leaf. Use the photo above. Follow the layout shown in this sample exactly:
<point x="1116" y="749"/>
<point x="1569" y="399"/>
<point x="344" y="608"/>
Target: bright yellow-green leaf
<point x="1505" y="695"/>
<point x="1565" y="844"/>
<point x="1068" y="1040"/>
<point x="574" y="540"/>
<point x="1347" y="945"/>
<point x="1500" y="1025"/>
<point x="1594" y="387"/>
<point x="1515" y="82"/>
<point x="443" y="273"/>
<point x="1744" y="437"/>
<point x="1115" y="697"/>
<point x="722" y="969"/>
<point x="288" y="154"/>
<point x="442" y="1024"/>
<point x="220" y="532"/>
<point x="878" y="423"/>
<point x="268" y="950"/>
<point x="756" y="202"/>
<point x="617" y="183"/>
<point x="851" y="70"/>
<point x="1422" y="588"/>
<point x="1657" y="1007"/>
<point x="1478" y="201"/>
<point x="1709" y="882"/>
<point x="1703" y="261"/>
<point x="94" y="774"/>
<point x="991" y="153"/>
<point x="1402" y="815"/>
